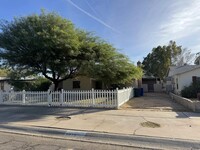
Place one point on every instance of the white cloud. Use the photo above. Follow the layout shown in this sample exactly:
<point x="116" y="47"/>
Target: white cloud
<point x="195" y="48"/>
<point x="93" y="17"/>
<point x="184" y="21"/>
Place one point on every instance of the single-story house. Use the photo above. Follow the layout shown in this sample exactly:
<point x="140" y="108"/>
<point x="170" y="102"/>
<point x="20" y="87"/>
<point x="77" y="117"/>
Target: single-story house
<point x="6" y="87"/>
<point x="81" y="83"/>
<point x="181" y="76"/>
<point x="87" y="83"/>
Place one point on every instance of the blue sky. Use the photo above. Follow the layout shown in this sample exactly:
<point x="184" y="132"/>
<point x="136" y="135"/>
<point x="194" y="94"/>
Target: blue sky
<point x="132" y="26"/>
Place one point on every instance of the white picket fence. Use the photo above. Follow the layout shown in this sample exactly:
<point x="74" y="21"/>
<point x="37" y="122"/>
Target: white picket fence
<point x="81" y="98"/>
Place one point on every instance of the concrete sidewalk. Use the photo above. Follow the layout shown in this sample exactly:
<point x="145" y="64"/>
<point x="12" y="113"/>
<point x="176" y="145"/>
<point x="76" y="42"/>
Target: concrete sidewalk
<point x="181" y="125"/>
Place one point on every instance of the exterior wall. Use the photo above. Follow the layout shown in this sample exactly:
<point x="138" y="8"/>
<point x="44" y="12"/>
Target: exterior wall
<point x="168" y="86"/>
<point x="85" y="83"/>
<point x="145" y="87"/>
<point x="184" y="79"/>
<point x="135" y="83"/>
<point x="6" y="87"/>
<point x="157" y="87"/>
<point x="192" y="105"/>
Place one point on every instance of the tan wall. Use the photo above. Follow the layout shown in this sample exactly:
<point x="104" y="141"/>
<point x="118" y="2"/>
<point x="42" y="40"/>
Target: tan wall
<point x="85" y="83"/>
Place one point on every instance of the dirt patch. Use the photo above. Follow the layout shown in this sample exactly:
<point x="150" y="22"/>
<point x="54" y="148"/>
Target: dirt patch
<point x="153" y="102"/>
<point x="150" y="124"/>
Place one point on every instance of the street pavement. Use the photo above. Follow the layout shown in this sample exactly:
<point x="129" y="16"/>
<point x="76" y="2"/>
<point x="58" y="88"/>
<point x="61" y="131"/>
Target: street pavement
<point x="10" y="141"/>
<point x="175" y="123"/>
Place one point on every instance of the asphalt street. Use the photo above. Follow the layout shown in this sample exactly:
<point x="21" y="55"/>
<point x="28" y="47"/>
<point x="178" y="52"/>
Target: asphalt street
<point x="23" y="142"/>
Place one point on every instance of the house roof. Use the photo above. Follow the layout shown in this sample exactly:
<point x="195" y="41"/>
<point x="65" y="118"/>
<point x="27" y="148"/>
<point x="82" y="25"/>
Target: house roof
<point x="8" y="79"/>
<point x="174" y="70"/>
<point x="171" y="71"/>
<point x="4" y="79"/>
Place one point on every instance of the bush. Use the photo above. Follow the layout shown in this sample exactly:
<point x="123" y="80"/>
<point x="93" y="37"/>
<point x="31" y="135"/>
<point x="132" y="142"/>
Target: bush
<point x="191" y="90"/>
<point x="39" y="84"/>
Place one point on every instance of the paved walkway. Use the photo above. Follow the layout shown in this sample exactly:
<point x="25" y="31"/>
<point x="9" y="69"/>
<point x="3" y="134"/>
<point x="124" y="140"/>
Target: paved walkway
<point x="153" y="102"/>
<point x="183" y="125"/>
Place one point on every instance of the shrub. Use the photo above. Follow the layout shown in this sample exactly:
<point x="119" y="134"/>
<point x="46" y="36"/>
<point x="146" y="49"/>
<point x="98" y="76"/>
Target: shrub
<point x="191" y="90"/>
<point x="39" y="84"/>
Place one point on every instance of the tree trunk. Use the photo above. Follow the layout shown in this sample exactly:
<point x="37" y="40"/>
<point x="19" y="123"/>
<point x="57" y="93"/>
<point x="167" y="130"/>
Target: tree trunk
<point x="56" y="83"/>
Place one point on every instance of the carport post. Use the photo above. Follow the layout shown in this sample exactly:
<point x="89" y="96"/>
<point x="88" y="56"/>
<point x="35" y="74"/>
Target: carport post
<point x="61" y="97"/>
<point x="23" y="97"/>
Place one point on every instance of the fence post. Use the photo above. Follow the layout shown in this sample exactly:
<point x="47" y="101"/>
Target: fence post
<point x="93" y="102"/>
<point x="23" y="96"/>
<point x="117" y="94"/>
<point x="61" y="97"/>
<point x="49" y="97"/>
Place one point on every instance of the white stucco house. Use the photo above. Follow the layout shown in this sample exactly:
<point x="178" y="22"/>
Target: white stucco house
<point x="178" y="77"/>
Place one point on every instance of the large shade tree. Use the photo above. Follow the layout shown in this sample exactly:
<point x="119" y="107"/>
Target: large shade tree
<point x="50" y="45"/>
<point x="112" y="67"/>
<point x="44" y="43"/>
<point x="158" y="61"/>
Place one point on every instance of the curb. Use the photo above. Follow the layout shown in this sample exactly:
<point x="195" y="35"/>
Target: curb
<point x="135" y="141"/>
<point x="73" y="137"/>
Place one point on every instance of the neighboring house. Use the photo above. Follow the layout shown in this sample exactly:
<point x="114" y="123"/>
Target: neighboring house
<point x="4" y="85"/>
<point x="179" y="77"/>
<point x="81" y="83"/>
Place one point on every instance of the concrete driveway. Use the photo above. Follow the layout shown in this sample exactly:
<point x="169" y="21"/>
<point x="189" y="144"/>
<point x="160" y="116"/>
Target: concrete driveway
<point x="154" y="102"/>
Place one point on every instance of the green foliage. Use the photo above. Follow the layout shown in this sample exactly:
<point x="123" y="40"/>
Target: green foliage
<point x="112" y="67"/>
<point x="38" y="84"/>
<point x="4" y="72"/>
<point x="46" y="44"/>
<point x="158" y="61"/>
<point x="49" y="45"/>
<point x="191" y="91"/>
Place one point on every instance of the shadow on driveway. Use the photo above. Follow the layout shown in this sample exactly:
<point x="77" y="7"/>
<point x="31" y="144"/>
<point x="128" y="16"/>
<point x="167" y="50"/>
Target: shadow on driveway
<point x="12" y="113"/>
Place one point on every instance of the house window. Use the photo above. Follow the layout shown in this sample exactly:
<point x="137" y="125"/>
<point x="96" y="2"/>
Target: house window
<point x="76" y="84"/>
